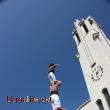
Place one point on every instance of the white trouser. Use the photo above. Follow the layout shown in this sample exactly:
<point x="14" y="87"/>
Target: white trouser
<point x="51" y="77"/>
<point x="55" y="101"/>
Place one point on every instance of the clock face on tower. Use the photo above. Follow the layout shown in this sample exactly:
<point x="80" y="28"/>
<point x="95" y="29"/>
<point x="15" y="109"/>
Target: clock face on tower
<point x="97" y="73"/>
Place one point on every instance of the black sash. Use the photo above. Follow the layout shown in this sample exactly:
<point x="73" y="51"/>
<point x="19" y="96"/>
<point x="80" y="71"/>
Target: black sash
<point x="54" y="92"/>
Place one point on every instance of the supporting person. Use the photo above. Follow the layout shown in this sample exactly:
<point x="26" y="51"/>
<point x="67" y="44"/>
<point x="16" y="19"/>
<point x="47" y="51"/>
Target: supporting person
<point x="54" y="94"/>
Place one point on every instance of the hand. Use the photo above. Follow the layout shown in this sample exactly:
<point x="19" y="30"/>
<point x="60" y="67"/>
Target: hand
<point x="57" y="65"/>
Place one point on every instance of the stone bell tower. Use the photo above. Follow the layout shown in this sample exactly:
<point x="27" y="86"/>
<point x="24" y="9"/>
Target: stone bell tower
<point x="94" y="57"/>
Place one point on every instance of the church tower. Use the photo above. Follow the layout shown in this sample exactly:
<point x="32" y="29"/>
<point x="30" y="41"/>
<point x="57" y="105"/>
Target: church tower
<point x="94" y="57"/>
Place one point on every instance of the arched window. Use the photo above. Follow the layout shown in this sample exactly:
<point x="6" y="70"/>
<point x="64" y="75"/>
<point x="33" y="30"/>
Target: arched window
<point x="106" y="95"/>
<point x="77" y="37"/>
<point x="90" y="21"/>
<point x="100" y="105"/>
<point x="85" y="28"/>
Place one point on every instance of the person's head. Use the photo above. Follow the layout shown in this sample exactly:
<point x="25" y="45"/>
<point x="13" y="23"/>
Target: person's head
<point x="51" y="64"/>
<point x="50" y="67"/>
<point x="51" y="84"/>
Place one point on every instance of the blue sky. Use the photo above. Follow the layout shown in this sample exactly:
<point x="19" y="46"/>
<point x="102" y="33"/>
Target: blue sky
<point x="34" y="33"/>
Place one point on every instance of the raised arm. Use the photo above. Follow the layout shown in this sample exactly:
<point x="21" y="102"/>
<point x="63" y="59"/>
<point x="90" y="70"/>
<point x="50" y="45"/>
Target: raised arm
<point x="57" y="83"/>
<point x="53" y="66"/>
